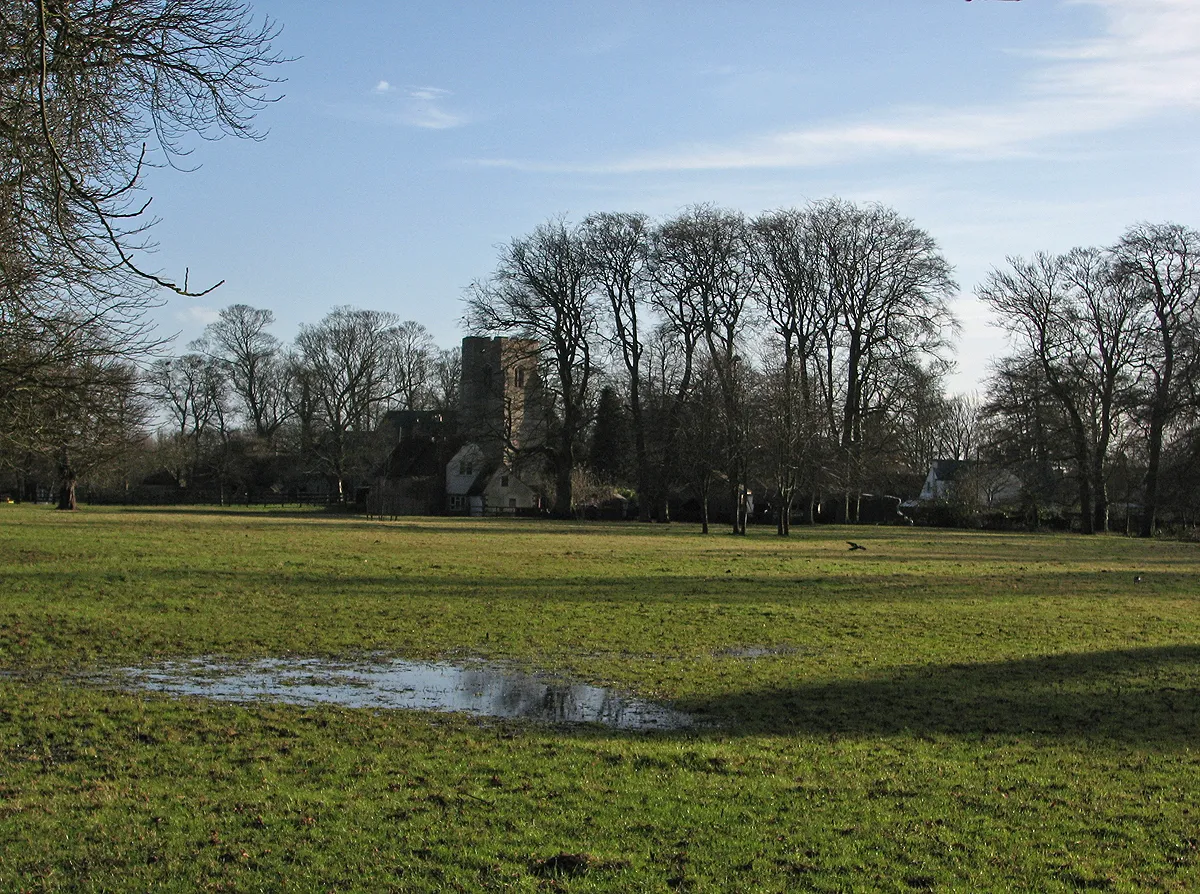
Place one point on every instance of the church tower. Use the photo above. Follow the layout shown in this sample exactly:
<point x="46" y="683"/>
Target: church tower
<point x="501" y="398"/>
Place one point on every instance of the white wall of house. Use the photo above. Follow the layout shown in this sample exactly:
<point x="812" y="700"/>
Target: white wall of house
<point x="463" y="469"/>
<point x="934" y="487"/>
<point x="505" y="492"/>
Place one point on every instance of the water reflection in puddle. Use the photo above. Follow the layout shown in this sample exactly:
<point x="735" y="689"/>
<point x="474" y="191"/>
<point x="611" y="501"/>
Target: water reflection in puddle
<point x="425" y="686"/>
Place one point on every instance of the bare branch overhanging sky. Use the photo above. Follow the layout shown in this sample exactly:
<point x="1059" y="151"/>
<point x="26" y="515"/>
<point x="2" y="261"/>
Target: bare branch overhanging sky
<point x="412" y="141"/>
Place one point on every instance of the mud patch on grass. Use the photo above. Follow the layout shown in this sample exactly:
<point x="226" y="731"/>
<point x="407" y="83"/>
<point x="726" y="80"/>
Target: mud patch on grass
<point x="479" y="688"/>
<point x="758" y="651"/>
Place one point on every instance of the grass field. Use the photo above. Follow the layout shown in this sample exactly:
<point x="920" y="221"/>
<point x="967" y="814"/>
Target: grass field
<point x="945" y="711"/>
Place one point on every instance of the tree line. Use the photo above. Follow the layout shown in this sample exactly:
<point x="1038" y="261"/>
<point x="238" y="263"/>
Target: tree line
<point x="240" y="411"/>
<point x="802" y="352"/>
<point x="246" y="410"/>
<point x="796" y="358"/>
<point x="802" y="349"/>
<point x="1103" y="375"/>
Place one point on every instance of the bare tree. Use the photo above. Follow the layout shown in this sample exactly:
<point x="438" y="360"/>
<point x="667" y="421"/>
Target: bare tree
<point x="89" y="417"/>
<point x="889" y="284"/>
<point x="619" y="246"/>
<point x="1034" y="301"/>
<point x="1083" y="320"/>
<point x="90" y="94"/>
<point x="1109" y="333"/>
<point x="446" y="379"/>
<point x="672" y="351"/>
<point x="346" y="381"/>
<point x="1025" y="426"/>
<point x="921" y="425"/>
<point x="792" y="293"/>
<point x="702" y="453"/>
<point x="542" y="289"/>
<point x="412" y="362"/>
<point x="252" y="358"/>
<point x="701" y="259"/>
<point x="1165" y="260"/>
<point x="192" y="391"/>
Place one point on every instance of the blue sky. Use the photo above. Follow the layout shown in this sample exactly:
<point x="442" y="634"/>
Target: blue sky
<point x="414" y="138"/>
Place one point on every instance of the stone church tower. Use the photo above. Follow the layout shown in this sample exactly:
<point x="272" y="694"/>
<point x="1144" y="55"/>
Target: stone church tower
<point x="501" y="404"/>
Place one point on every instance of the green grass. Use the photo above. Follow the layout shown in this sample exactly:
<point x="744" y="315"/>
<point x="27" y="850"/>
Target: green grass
<point x="946" y="711"/>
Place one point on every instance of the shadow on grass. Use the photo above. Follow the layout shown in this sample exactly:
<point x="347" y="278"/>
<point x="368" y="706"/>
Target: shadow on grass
<point x="1138" y="695"/>
<point x="248" y="513"/>
<point x="715" y="578"/>
<point x="409" y="523"/>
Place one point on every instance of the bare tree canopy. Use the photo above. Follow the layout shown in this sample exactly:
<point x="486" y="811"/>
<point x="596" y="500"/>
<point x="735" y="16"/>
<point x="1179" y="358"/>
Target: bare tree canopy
<point x="251" y="358"/>
<point x="412" y="363"/>
<point x="87" y="89"/>
<point x="347" y="378"/>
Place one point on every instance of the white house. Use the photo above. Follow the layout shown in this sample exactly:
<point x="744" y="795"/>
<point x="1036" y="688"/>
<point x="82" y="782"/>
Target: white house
<point x="990" y="485"/>
<point x="463" y="472"/>
<point x="505" y="493"/>
<point x="475" y="486"/>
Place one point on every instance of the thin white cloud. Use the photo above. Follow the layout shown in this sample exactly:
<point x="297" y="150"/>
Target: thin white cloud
<point x="1146" y="62"/>
<point x="431" y="94"/>
<point x="197" y="315"/>
<point x="423" y="107"/>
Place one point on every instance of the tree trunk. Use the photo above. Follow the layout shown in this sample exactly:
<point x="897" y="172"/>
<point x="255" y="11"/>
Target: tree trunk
<point x="640" y="454"/>
<point x="664" y="509"/>
<point x="1154" y="461"/>
<point x="666" y="474"/>
<point x="1087" y="518"/>
<point x="1100" y="503"/>
<point x="67" y="480"/>
<point x="563" y="496"/>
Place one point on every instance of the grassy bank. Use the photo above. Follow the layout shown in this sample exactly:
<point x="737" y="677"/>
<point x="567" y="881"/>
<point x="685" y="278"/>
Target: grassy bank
<point x="943" y="711"/>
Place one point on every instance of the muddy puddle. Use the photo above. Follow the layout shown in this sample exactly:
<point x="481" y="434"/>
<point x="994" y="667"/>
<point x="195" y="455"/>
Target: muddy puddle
<point x="758" y="652"/>
<point x="473" y="688"/>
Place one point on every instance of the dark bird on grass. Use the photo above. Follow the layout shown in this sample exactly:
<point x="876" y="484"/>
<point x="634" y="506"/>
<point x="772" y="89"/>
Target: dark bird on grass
<point x="854" y="546"/>
<point x="1137" y="578"/>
